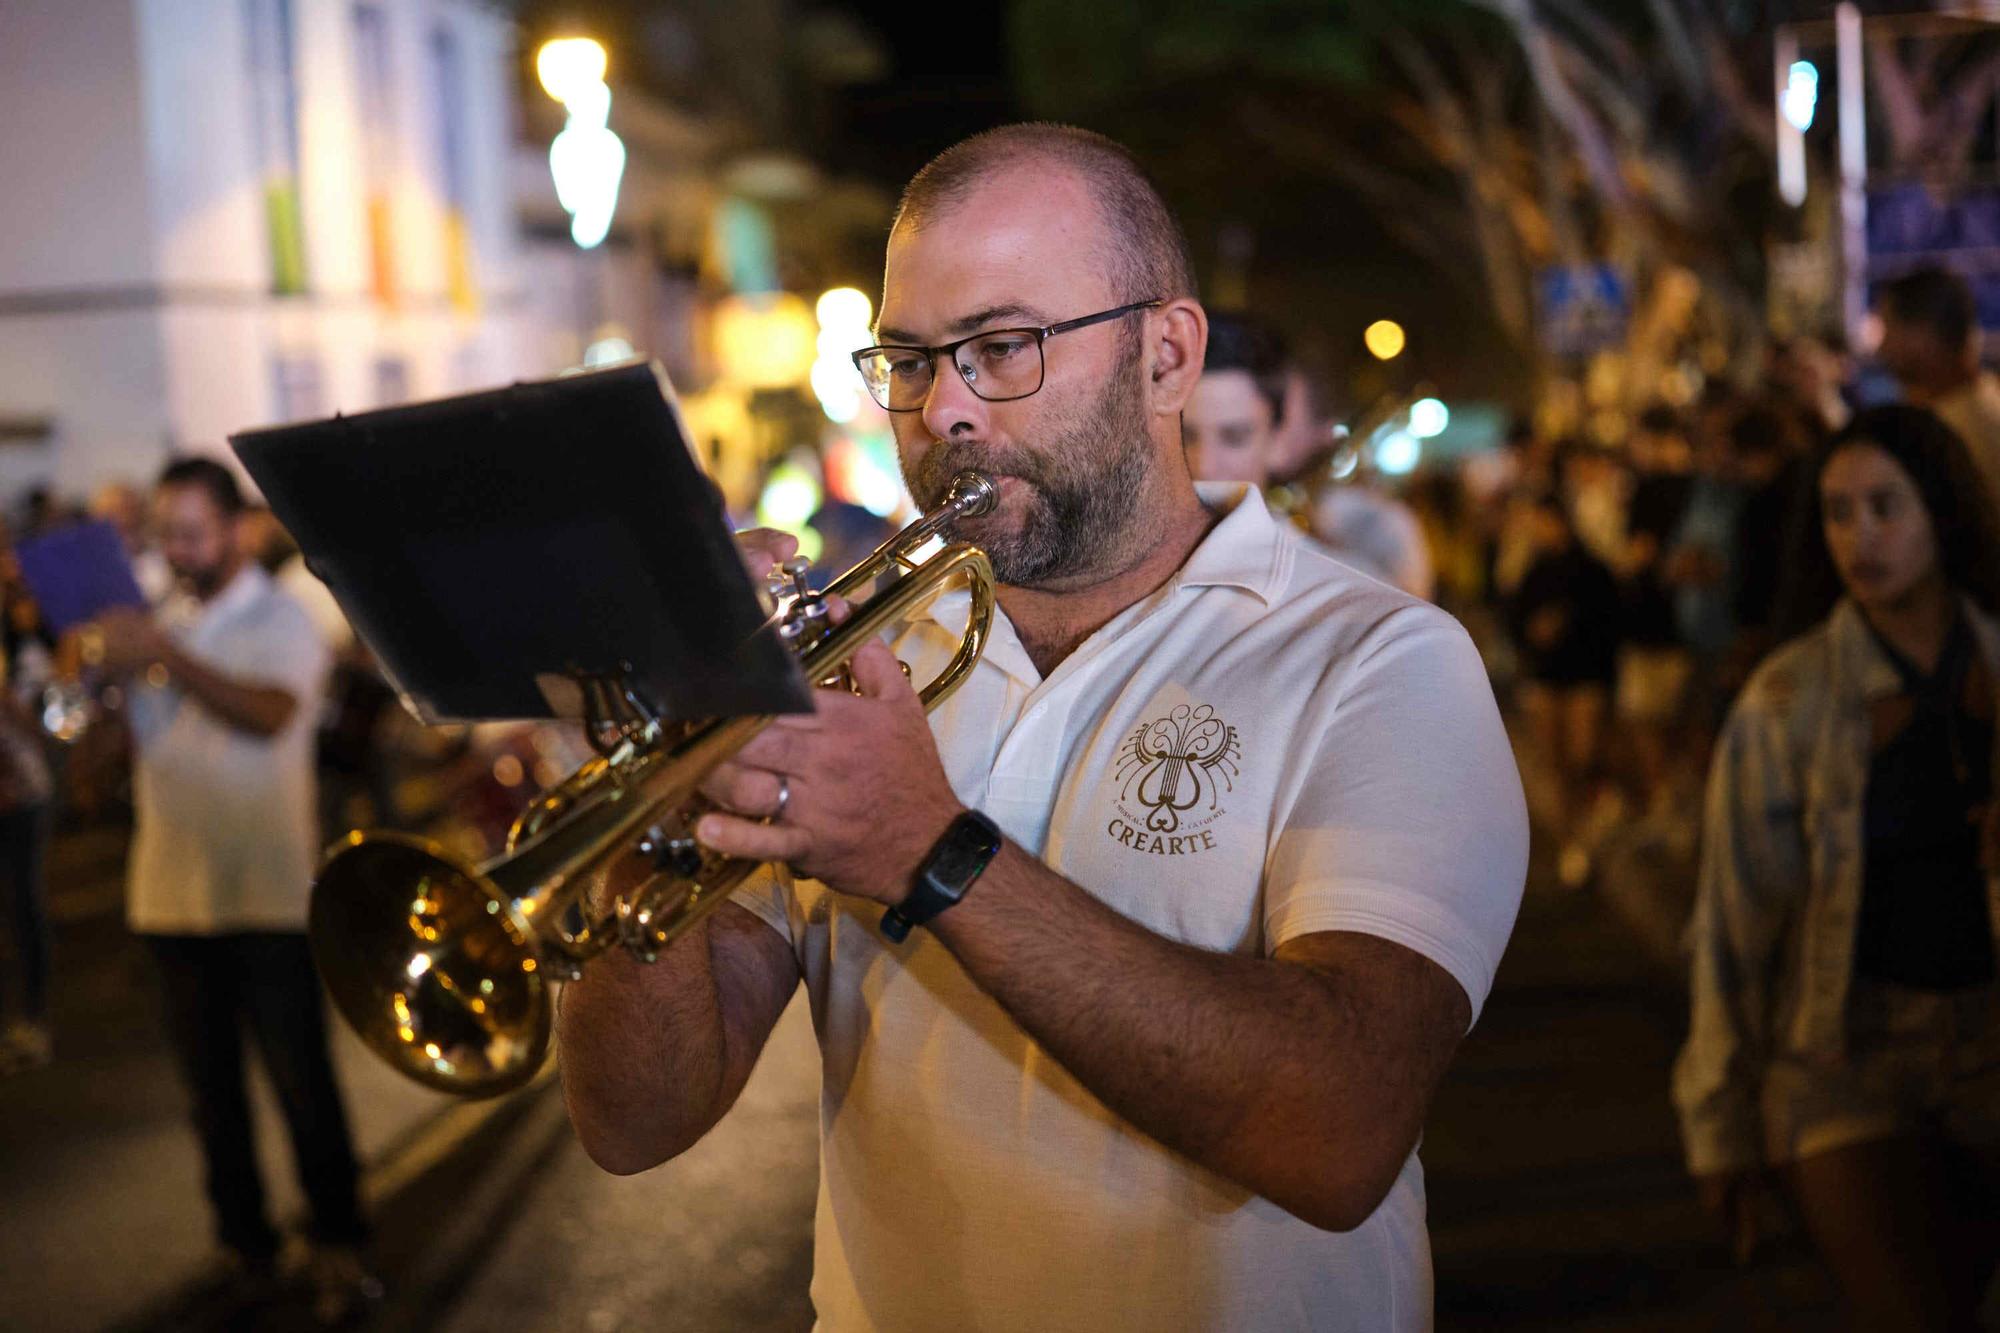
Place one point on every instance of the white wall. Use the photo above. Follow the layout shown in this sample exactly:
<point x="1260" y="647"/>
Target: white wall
<point x="127" y="145"/>
<point x="487" y="45"/>
<point x="77" y="266"/>
<point x="331" y="194"/>
<point x="73" y="212"/>
<point x="207" y="209"/>
<point x="98" y="376"/>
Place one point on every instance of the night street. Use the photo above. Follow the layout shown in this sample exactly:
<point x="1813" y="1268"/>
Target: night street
<point x="1387" y="515"/>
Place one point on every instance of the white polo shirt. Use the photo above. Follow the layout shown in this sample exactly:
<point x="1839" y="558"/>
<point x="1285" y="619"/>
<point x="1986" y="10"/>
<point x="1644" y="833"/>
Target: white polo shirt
<point x="1272" y="744"/>
<point x="228" y="831"/>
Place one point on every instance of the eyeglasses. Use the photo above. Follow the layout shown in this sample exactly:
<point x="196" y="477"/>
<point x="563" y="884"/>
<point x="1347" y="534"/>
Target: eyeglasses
<point x="999" y="365"/>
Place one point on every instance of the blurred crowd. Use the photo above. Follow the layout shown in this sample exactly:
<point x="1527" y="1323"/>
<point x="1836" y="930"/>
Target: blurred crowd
<point x="1758" y="625"/>
<point x="1756" y="633"/>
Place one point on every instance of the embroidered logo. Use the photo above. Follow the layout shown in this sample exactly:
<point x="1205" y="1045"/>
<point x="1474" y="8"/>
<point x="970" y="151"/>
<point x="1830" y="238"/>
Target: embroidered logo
<point x="1172" y="774"/>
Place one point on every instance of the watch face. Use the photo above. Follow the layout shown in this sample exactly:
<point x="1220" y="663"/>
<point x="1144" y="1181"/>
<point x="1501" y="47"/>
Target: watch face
<point x="962" y="853"/>
<point x="950" y="869"/>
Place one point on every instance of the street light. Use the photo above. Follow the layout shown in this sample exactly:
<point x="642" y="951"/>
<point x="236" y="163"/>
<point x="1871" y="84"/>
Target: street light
<point x="1800" y="95"/>
<point x="586" y="159"/>
<point x="1797" y="95"/>
<point x="568" y="65"/>
<point x="1384" y="339"/>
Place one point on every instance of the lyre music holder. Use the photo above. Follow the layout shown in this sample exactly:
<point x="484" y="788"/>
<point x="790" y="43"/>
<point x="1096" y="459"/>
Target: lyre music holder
<point x="551" y="549"/>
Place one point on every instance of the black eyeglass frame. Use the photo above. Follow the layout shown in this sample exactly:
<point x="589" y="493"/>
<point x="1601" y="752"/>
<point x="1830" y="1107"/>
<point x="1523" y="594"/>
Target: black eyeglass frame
<point x="1041" y="336"/>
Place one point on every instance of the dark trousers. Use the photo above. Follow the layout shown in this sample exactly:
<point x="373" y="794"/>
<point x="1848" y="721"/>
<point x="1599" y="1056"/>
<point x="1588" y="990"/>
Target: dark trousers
<point x="216" y="986"/>
<point x="23" y="836"/>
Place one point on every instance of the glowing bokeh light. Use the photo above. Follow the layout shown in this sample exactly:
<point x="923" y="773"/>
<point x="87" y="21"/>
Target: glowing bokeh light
<point x="1801" y="95"/>
<point x="838" y="391"/>
<point x="586" y="159"/>
<point x="845" y="307"/>
<point x="843" y="315"/>
<point x="1398" y="453"/>
<point x="1428" y="418"/>
<point x="1384" y="339"/>
<point x="765" y="341"/>
<point x="568" y="65"/>
<point x="791" y="496"/>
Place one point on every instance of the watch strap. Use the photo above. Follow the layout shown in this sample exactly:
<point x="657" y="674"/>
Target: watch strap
<point x="954" y="862"/>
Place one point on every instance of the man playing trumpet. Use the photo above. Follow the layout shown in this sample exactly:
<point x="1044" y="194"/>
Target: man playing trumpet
<point x="1134" y="966"/>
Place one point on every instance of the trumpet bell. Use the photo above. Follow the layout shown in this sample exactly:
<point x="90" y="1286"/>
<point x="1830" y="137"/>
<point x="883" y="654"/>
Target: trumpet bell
<point x="431" y="963"/>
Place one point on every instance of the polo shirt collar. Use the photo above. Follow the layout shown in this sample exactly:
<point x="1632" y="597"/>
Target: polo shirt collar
<point x="1246" y="550"/>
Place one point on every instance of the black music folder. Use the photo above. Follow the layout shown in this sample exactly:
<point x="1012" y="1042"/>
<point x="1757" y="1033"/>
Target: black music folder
<point x="496" y="548"/>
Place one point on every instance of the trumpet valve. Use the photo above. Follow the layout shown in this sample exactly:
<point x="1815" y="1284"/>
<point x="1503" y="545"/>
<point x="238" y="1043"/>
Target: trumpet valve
<point x="807" y="616"/>
<point x="635" y="931"/>
<point x="787" y="579"/>
<point x="679" y="855"/>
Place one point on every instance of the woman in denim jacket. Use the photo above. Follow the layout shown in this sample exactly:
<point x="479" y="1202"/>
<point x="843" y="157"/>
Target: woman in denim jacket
<point x="1845" y="1037"/>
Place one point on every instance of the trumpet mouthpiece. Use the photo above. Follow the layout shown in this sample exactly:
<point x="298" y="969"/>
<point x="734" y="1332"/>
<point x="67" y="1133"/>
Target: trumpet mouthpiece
<point x="972" y="494"/>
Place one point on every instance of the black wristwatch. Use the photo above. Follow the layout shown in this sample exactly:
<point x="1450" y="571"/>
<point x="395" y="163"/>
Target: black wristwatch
<point x="954" y="862"/>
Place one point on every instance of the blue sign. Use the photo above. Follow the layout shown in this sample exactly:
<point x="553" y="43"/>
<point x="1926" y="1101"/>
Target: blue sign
<point x="1581" y="308"/>
<point x="1911" y="221"/>
<point x="1910" y="227"/>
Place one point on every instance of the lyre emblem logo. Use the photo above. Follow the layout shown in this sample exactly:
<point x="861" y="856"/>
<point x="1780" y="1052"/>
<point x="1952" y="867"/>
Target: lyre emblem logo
<point x="1172" y="773"/>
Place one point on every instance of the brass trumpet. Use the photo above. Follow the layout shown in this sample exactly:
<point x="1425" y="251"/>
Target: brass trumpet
<point x="443" y="967"/>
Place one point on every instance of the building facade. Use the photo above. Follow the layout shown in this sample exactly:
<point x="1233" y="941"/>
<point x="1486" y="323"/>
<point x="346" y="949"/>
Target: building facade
<point x="228" y="213"/>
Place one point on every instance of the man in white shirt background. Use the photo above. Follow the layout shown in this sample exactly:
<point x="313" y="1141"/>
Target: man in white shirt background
<point x="225" y="682"/>
<point x="1233" y="427"/>
<point x="1135" y="967"/>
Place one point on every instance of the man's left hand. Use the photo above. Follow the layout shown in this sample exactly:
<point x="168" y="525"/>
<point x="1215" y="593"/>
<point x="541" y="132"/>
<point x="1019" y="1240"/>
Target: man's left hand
<point x="868" y="793"/>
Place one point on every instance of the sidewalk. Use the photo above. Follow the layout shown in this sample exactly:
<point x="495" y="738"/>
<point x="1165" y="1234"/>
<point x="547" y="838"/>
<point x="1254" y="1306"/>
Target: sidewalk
<point x="719" y="1240"/>
<point x="100" y="1176"/>
<point x="1558" y="1197"/>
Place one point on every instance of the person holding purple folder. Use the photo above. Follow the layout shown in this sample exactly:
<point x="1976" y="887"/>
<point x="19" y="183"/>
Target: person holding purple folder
<point x="225" y="683"/>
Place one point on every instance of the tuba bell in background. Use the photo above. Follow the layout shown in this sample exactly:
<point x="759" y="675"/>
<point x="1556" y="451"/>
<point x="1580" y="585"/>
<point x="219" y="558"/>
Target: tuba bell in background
<point x="444" y="967"/>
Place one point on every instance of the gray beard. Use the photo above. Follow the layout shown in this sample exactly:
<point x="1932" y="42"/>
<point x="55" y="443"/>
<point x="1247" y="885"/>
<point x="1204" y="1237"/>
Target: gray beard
<point x="1085" y="484"/>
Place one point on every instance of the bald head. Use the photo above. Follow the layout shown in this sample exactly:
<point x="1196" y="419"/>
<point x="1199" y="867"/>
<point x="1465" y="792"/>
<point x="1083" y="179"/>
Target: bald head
<point x="1144" y="252"/>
